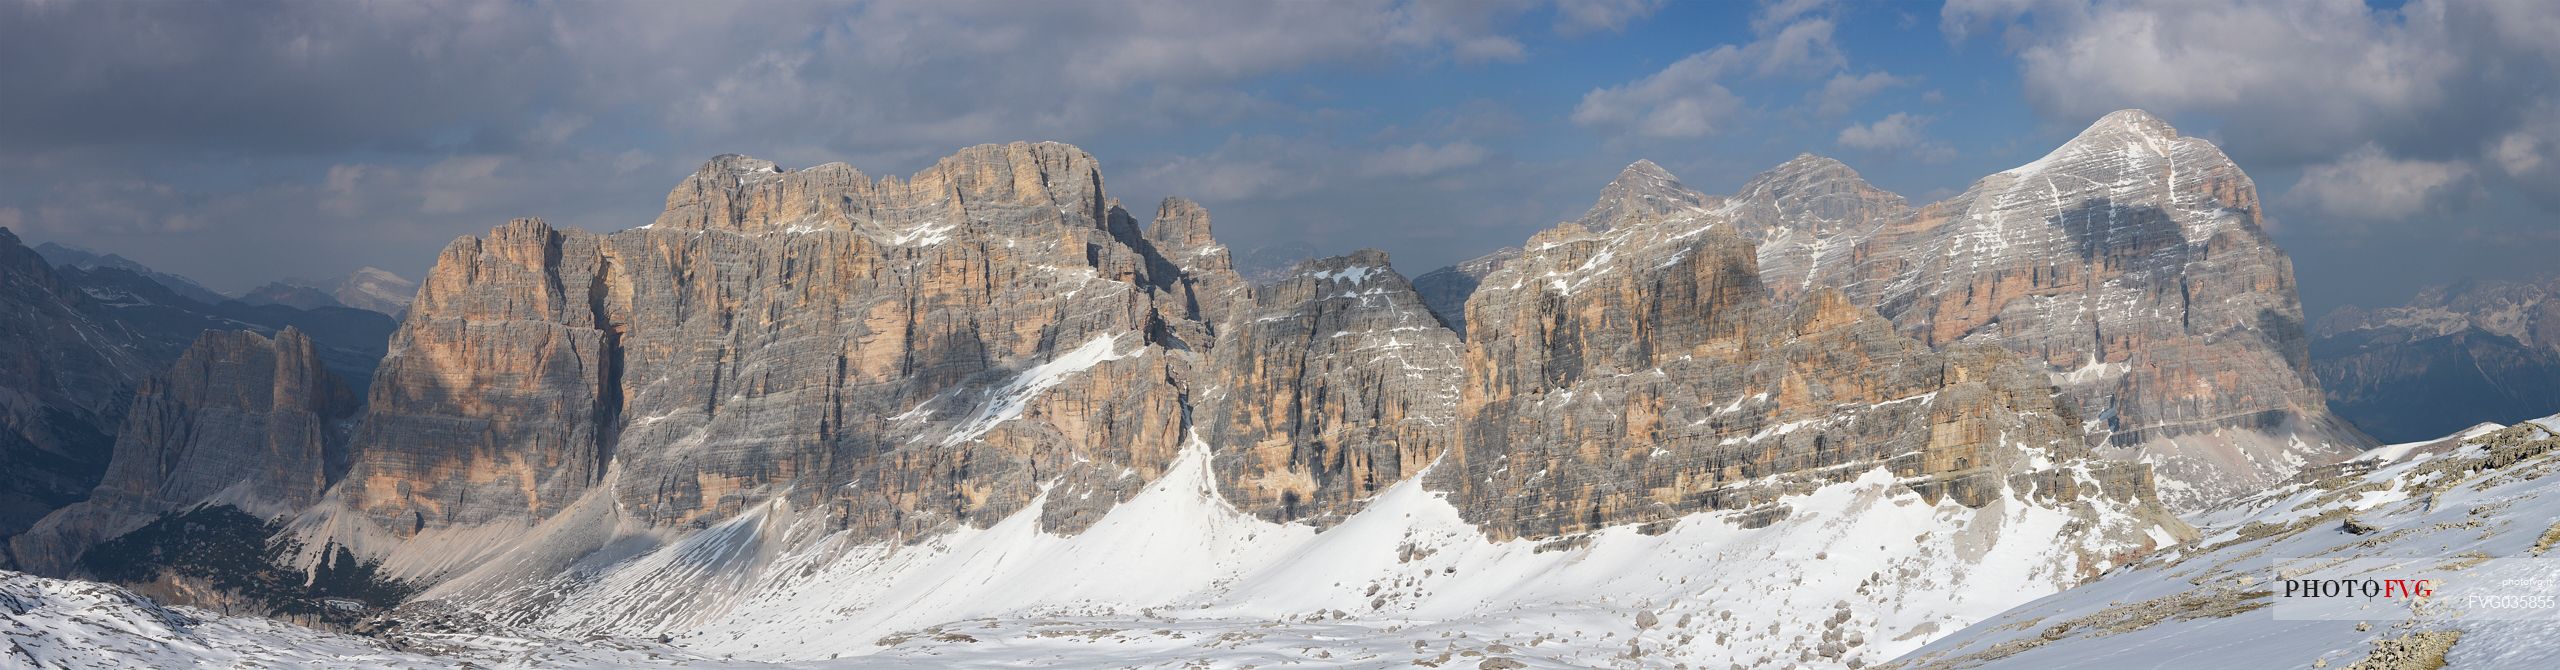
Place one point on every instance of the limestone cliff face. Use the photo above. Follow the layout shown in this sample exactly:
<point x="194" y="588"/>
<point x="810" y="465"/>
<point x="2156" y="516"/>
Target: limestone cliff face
<point x="902" y="354"/>
<point x="240" y="419"/>
<point x="1202" y="276"/>
<point x="496" y="397"/>
<point x="1807" y="216"/>
<point x="2129" y="263"/>
<point x="994" y="336"/>
<point x="1327" y="387"/>
<point x="1632" y="367"/>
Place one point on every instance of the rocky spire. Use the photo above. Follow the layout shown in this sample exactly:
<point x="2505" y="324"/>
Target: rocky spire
<point x="1210" y="285"/>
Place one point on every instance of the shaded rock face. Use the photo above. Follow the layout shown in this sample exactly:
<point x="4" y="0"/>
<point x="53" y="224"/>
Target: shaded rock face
<point x="1200" y="273"/>
<point x="902" y="354"/>
<point x="1633" y="367"/>
<point x="66" y="374"/>
<point x="2129" y="263"/>
<point x="1329" y="386"/>
<point x="1446" y="290"/>
<point x="75" y="342"/>
<point x="241" y="419"/>
<point x="2454" y="356"/>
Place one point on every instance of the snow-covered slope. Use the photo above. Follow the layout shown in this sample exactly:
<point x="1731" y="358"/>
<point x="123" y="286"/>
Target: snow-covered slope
<point x="52" y="623"/>
<point x="2479" y="505"/>
<point x="1856" y="573"/>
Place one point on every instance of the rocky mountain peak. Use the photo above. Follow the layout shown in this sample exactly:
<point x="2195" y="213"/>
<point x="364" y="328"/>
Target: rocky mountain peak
<point x="1206" y="279"/>
<point x="1046" y="181"/>
<point x="1806" y="170"/>
<point x="2137" y="122"/>
<point x="736" y="166"/>
<point x="1354" y="267"/>
<point x="1641" y="192"/>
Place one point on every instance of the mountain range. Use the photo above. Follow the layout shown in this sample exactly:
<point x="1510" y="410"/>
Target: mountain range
<point x="2455" y="355"/>
<point x="985" y="412"/>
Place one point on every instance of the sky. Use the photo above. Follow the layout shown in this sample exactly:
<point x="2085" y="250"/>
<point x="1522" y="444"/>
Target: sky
<point x="2394" y="144"/>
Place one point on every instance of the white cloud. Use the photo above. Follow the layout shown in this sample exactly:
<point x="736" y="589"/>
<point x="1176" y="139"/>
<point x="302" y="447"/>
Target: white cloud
<point x="1844" y="91"/>
<point x="1898" y="133"/>
<point x="2367" y="184"/>
<point x="2530" y="154"/>
<point x="2431" y="90"/>
<point x="1682" y="101"/>
<point x="1895" y="131"/>
<point x="1579" y="17"/>
<point x="1422" y="160"/>
<point x="1689" y="99"/>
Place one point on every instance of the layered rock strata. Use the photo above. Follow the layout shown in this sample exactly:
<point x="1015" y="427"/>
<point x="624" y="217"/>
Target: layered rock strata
<point x="241" y="420"/>
<point x="2130" y="263"/>
<point x="1326" y="387"/>
<point x="1634" y="367"/>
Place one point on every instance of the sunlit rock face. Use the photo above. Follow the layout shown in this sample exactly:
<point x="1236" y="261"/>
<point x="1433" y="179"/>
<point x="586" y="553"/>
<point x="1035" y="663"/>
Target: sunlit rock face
<point x="1634" y="367"/>
<point x="905" y="354"/>
<point x="2129" y="264"/>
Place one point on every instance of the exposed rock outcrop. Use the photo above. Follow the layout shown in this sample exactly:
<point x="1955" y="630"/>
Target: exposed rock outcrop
<point x="1327" y="387"/>
<point x="240" y="419"/>
<point x="66" y="374"/>
<point x="1632" y="367"/>
<point x="1202" y="276"/>
<point x="2129" y="263"/>
<point x="902" y="354"/>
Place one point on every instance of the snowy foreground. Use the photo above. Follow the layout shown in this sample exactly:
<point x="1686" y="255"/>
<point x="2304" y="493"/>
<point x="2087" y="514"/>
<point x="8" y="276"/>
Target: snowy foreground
<point x="1853" y="576"/>
<point x="1406" y="584"/>
<point x="2480" y="505"/>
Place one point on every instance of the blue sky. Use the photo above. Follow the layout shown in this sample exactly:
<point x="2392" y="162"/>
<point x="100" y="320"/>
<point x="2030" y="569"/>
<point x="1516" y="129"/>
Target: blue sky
<point x="2394" y="145"/>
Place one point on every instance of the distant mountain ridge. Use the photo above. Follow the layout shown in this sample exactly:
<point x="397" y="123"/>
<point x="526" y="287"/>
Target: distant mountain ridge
<point x="369" y="288"/>
<point x="77" y="342"/>
<point x="84" y="259"/>
<point x="2455" y="354"/>
<point x="806" y="407"/>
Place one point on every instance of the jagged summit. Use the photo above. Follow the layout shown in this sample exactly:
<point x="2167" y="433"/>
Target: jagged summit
<point x="1641" y="192"/>
<point x="736" y="193"/>
<point x="1180" y="226"/>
